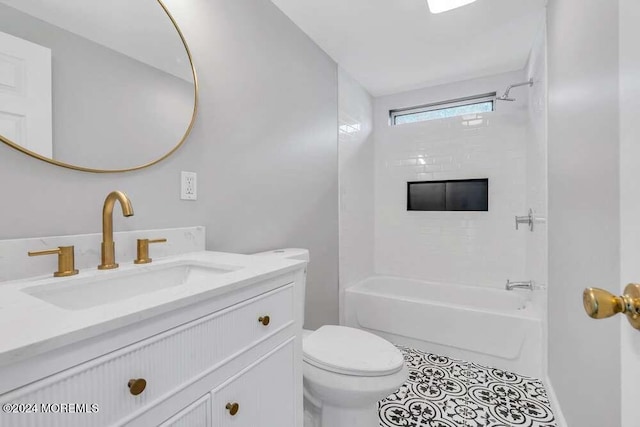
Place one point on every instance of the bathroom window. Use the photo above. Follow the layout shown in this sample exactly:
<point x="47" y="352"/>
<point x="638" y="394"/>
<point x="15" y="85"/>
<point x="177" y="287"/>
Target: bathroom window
<point x="443" y="110"/>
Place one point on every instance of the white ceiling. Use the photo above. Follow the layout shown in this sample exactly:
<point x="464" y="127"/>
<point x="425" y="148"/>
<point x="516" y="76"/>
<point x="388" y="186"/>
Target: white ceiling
<point x="137" y="28"/>
<point x="395" y="45"/>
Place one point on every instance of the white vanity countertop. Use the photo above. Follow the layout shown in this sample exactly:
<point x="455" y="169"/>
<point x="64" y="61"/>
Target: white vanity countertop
<point x="31" y="326"/>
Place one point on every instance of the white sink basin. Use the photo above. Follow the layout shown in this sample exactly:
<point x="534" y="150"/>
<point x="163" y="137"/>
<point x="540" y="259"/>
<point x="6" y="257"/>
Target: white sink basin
<point x="79" y="293"/>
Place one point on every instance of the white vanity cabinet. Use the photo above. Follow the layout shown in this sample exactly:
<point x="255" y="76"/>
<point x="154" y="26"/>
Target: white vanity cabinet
<point x="237" y="366"/>
<point x="263" y="393"/>
<point x="198" y="414"/>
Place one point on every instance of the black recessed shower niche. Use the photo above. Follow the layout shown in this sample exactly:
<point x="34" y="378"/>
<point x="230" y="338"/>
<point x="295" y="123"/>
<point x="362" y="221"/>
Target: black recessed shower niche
<point x="452" y="195"/>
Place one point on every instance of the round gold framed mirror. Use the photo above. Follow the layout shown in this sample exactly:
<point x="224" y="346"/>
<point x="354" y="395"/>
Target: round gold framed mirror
<point x="93" y="86"/>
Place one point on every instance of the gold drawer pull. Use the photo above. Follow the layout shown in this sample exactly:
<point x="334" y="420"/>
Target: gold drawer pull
<point x="137" y="386"/>
<point x="265" y="320"/>
<point x="233" y="408"/>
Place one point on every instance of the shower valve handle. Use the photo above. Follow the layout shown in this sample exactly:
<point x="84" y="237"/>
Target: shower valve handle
<point x="529" y="220"/>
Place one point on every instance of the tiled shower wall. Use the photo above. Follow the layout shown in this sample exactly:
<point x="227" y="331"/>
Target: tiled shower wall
<point x="477" y="248"/>
<point x="356" y="160"/>
<point x="537" y="268"/>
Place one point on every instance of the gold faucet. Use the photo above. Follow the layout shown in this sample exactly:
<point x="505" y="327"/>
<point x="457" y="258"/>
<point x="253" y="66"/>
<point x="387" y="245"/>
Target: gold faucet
<point x="66" y="260"/>
<point x="143" y="250"/>
<point x="108" y="246"/>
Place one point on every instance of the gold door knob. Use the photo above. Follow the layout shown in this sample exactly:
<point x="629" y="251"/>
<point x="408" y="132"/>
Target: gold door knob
<point x="600" y="304"/>
<point x="265" y="320"/>
<point x="137" y="386"/>
<point x="233" y="408"/>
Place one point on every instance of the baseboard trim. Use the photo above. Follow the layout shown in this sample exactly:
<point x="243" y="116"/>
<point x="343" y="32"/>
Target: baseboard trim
<point x="555" y="404"/>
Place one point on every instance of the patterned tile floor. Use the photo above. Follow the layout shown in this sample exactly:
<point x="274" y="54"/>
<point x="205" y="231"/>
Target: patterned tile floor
<point x="444" y="392"/>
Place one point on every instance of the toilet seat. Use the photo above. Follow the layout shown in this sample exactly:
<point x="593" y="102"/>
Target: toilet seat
<point x="350" y="351"/>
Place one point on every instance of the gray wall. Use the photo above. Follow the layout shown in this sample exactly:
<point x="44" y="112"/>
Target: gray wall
<point x="584" y="220"/>
<point x="264" y="148"/>
<point x="97" y="121"/>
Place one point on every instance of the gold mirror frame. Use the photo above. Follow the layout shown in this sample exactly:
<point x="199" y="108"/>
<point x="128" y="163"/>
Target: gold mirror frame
<point x="182" y="141"/>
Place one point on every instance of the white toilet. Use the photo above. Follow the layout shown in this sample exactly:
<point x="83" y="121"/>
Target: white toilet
<point x="346" y="371"/>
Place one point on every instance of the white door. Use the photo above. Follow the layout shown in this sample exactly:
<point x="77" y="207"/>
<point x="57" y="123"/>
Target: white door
<point x="25" y="94"/>
<point x="629" y="199"/>
<point x="629" y="99"/>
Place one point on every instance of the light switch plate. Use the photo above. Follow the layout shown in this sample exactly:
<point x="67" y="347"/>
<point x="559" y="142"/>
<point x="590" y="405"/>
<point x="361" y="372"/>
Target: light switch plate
<point x="188" y="186"/>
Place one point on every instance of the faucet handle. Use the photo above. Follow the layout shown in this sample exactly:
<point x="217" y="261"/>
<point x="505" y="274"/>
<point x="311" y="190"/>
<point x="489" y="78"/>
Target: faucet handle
<point x="66" y="260"/>
<point x="143" y="250"/>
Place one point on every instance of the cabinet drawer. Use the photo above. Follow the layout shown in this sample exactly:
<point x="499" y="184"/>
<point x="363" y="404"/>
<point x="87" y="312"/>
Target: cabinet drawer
<point x="198" y="414"/>
<point x="168" y="362"/>
<point x="264" y="393"/>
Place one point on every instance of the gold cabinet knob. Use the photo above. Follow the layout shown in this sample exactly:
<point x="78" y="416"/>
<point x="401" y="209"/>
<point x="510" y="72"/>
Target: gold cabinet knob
<point x="143" y="250"/>
<point x="137" y="386"/>
<point x="66" y="260"/>
<point x="265" y="320"/>
<point x="233" y="408"/>
<point x="600" y="304"/>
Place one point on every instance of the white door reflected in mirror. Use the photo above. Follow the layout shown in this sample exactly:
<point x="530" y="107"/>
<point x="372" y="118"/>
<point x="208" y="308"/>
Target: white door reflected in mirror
<point x="25" y="94"/>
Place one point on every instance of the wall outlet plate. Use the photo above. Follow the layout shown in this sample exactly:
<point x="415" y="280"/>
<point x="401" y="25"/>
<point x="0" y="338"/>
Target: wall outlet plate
<point x="188" y="186"/>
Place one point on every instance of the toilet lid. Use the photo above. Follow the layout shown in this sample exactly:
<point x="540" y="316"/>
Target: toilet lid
<point x="351" y="351"/>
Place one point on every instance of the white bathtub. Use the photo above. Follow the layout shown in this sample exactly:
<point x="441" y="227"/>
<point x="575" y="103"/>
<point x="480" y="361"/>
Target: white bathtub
<point x="492" y="327"/>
